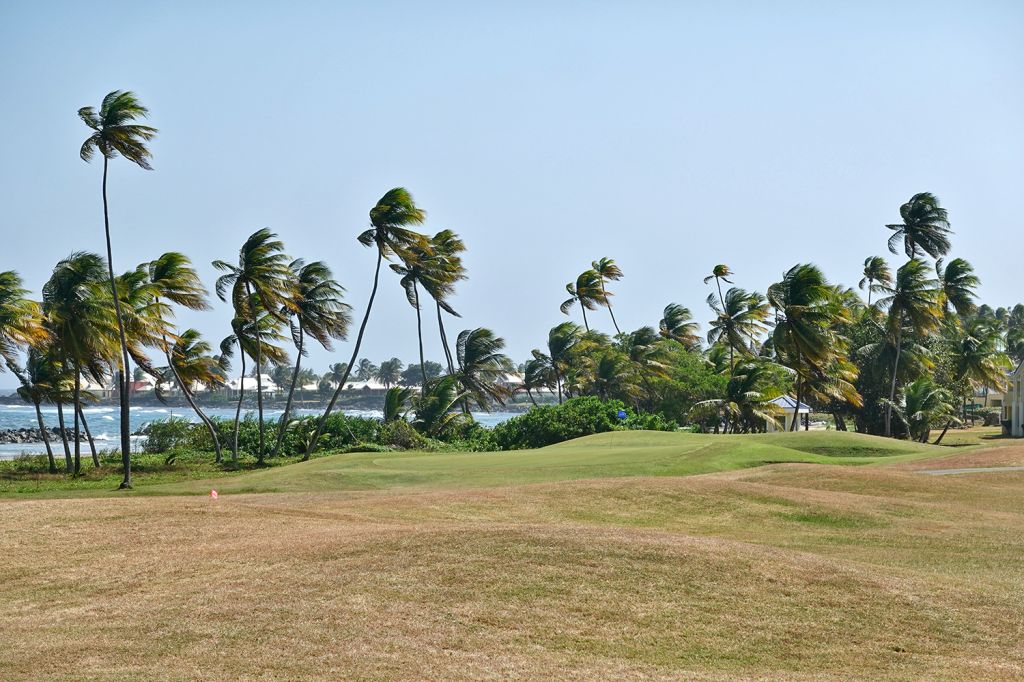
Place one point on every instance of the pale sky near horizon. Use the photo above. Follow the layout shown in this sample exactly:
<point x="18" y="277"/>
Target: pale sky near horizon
<point x="670" y="136"/>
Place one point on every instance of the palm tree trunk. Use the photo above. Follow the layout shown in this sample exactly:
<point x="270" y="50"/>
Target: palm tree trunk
<point x="259" y="377"/>
<point x="68" y="463"/>
<point x="123" y="374"/>
<point x="444" y="341"/>
<point x="584" y="309"/>
<point x="187" y="392"/>
<point x="943" y="434"/>
<point x="241" y="393"/>
<point x="892" y="388"/>
<point x="355" y="352"/>
<point x="610" y="311"/>
<point x="529" y="393"/>
<point x="88" y="435"/>
<point x="46" y="439"/>
<point x="291" y="391"/>
<point x="77" y="404"/>
<point x="419" y="337"/>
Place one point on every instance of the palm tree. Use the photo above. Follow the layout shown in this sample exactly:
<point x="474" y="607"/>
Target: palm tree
<point x="978" y="357"/>
<point x="537" y="373"/>
<point x="115" y="131"/>
<point x="395" y="402"/>
<point x="420" y="266"/>
<point x="587" y="291"/>
<point x="436" y="411"/>
<point x="913" y="302"/>
<point x="448" y="248"/>
<point x="482" y="368"/>
<point x="647" y="355"/>
<point x="77" y="311"/>
<point x="262" y="280"/>
<point x="390" y="372"/>
<point x="608" y="271"/>
<point x="957" y="283"/>
<point x="390" y="220"/>
<point x="924" y="230"/>
<point x="191" y="363"/>
<point x="804" y="335"/>
<point x="926" y="404"/>
<point x="677" y="324"/>
<point x="318" y="311"/>
<point x="562" y="340"/>
<point x="365" y="370"/>
<point x="747" y="403"/>
<point x="21" y="319"/>
<point x="876" y="274"/>
<point x="720" y="273"/>
<point x="739" y="320"/>
<point x="37" y="386"/>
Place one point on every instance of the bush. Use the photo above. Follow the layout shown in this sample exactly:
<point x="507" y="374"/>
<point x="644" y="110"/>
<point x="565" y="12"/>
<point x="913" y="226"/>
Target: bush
<point x="175" y="432"/>
<point x="577" y="417"/>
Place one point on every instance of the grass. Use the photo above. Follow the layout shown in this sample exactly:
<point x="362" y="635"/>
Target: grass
<point x="592" y="559"/>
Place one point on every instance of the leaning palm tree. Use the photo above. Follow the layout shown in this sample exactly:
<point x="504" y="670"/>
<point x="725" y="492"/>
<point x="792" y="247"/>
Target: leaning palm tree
<point x="37" y="379"/>
<point x="436" y="411"/>
<point x="739" y="320"/>
<point x="562" y="340"/>
<point x="21" y="319"/>
<point x="261" y="281"/>
<point x="115" y="132"/>
<point x="587" y="290"/>
<point x="396" y="402"/>
<point x="537" y="373"/>
<point x="924" y="230"/>
<point x="876" y="274"/>
<point x="677" y="324"/>
<point x="913" y="303"/>
<point x="448" y="248"/>
<point x="317" y="311"/>
<point x="390" y="234"/>
<point x="481" y="368"/>
<point x="608" y="271"/>
<point x="925" y="405"/>
<point x="957" y="284"/>
<point x="747" y="404"/>
<point x="421" y="267"/>
<point x="190" y="364"/>
<point x="720" y="273"/>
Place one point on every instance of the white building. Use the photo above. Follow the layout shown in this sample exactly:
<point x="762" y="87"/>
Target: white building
<point x="1013" y="404"/>
<point x="249" y="384"/>
<point x="790" y="412"/>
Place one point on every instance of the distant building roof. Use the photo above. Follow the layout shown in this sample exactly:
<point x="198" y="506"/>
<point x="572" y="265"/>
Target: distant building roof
<point x="788" y="403"/>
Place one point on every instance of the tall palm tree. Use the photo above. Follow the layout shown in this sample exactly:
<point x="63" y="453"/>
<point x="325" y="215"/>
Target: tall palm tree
<point x="720" y="273"/>
<point x="390" y="372"/>
<point x="677" y="324"/>
<point x="421" y="266"/>
<point x="587" y="291"/>
<point x="116" y="132"/>
<point x="804" y="335"/>
<point x="562" y="340"/>
<point x="77" y="310"/>
<point x="913" y="303"/>
<point x="958" y="284"/>
<point x="191" y="363"/>
<point x="317" y="311"/>
<point x="924" y="230"/>
<point x="608" y="271"/>
<point x="390" y="234"/>
<point x="448" y="248"/>
<point x="876" y="273"/>
<point x="37" y="386"/>
<point x="481" y="368"/>
<point x="261" y="281"/>
<point x="739" y="320"/>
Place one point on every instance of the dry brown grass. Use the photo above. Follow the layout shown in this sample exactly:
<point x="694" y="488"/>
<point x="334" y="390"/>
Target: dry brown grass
<point x="791" y="571"/>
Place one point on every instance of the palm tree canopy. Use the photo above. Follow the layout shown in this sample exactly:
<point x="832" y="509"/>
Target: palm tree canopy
<point x="262" y="270"/>
<point x="391" y="219"/>
<point x="396" y="401"/>
<point x="436" y="409"/>
<point x="174" y="279"/>
<point x="607" y="269"/>
<point x="316" y="303"/>
<point x="721" y="272"/>
<point x="390" y="372"/>
<point x="912" y="299"/>
<point x="21" y="320"/>
<point x="876" y="272"/>
<point x="924" y="230"/>
<point x="677" y="324"/>
<point x="194" y="361"/>
<point x="740" y="322"/>
<point x="586" y="291"/>
<point x="808" y="313"/>
<point x="482" y="366"/>
<point x="958" y="285"/>
<point x="115" y="131"/>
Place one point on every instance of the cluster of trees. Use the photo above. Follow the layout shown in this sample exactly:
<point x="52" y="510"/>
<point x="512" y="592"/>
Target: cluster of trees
<point x="901" y="362"/>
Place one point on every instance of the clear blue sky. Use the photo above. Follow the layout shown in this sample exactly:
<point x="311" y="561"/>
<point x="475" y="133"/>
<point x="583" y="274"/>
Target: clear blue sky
<point x="668" y="135"/>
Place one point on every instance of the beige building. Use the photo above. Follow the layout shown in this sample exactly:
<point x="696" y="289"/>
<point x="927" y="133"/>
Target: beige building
<point x="1013" y="404"/>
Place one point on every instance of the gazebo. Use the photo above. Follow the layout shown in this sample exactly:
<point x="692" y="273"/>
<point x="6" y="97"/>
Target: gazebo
<point x="790" y="411"/>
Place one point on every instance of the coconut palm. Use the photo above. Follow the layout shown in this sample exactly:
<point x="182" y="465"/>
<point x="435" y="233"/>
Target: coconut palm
<point x="876" y="274"/>
<point x="261" y="281"/>
<point x="924" y="230"/>
<point x="191" y="363"/>
<point x="608" y="271"/>
<point x="804" y="336"/>
<point x="747" y="404"/>
<point x="389" y="372"/>
<point x="448" y="248"/>
<point x="677" y="324"/>
<point x="647" y="355"/>
<point x="977" y="355"/>
<point x="587" y="291"/>
<point x="957" y="284"/>
<point x="116" y="132"/>
<point x="317" y="310"/>
<point x="38" y="378"/>
<point x="437" y="410"/>
<point x="913" y="303"/>
<point x="481" y="368"/>
<point x="396" y="402"/>
<point x="739" y="320"/>
<point x="21" y="320"/>
<point x="365" y="370"/>
<point x="562" y="340"/>
<point x="421" y="266"/>
<point x="389" y="233"/>
<point x="925" y="405"/>
<point x="537" y="373"/>
<point x="720" y="273"/>
<point x="77" y="309"/>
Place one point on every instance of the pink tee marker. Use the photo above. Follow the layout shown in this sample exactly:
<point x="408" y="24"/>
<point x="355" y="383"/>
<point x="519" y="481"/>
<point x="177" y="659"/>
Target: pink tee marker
<point x="213" y="494"/>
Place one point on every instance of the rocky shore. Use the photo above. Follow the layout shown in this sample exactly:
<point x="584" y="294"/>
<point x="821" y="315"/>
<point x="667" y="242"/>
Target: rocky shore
<point x="8" y="436"/>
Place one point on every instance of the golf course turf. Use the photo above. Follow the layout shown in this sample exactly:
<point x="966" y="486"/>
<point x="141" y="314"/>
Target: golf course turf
<point x="621" y="555"/>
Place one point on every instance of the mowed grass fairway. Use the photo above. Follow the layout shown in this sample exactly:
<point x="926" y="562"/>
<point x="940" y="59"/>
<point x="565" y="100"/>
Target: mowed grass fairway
<point x="793" y="556"/>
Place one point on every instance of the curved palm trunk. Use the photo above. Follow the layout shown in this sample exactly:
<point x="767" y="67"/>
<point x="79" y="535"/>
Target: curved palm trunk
<point x="259" y="379"/>
<point x="88" y="436"/>
<point x="123" y="374"/>
<point x="444" y="341"/>
<point x="51" y="462"/>
<point x="943" y="434"/>
<point x="892" y="387"/>
<point x="238" y="410"/>
<point x="584" y="309"/>
<point x="291" y="392"/>
<point x="610" y="311"/>
<point x="77" y="408"/>
<point x="355" y="352"/>
<point x="419" y="336"/>
<point x="529" y="393"/>
<point x="187" y="392"/>
<point x="68" y="462"/>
